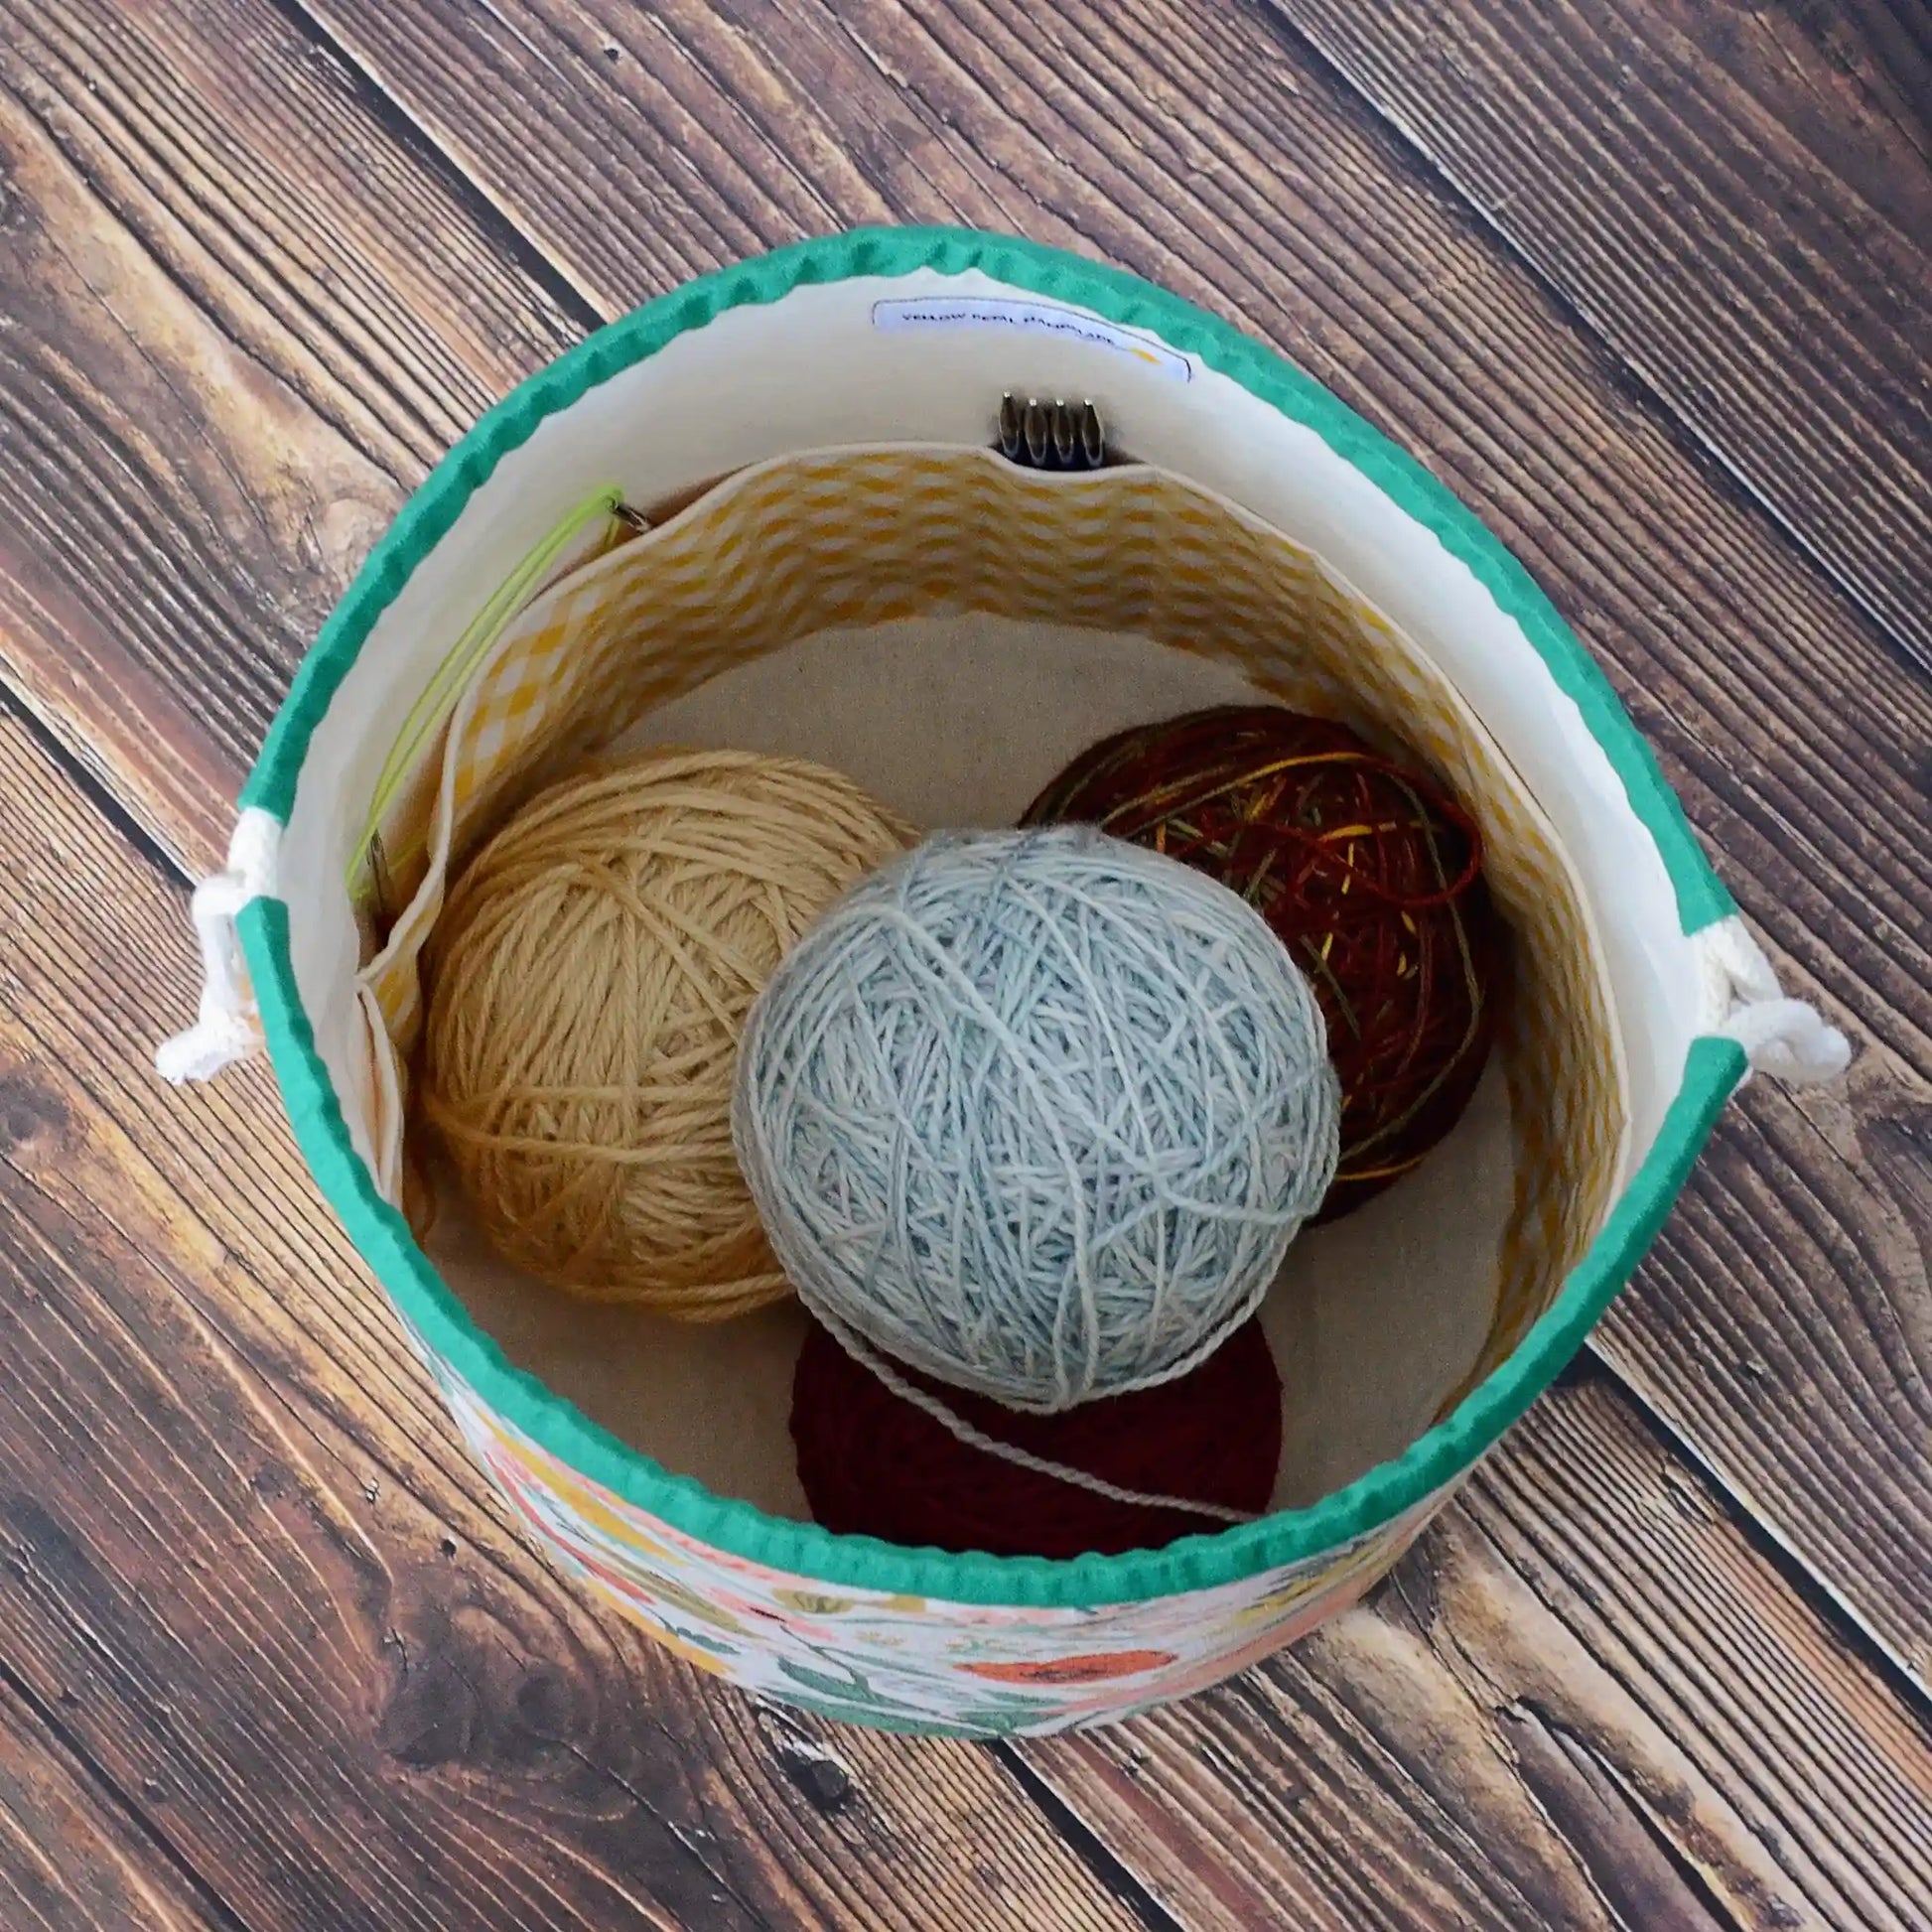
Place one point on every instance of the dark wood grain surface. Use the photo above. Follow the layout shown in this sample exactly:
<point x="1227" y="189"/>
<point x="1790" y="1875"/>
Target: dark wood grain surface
<point x="73" y="1852"/>
<point x="300" y="1569"/>
<point x="1558" y="1680"/>
<point x="1772" y="155"/>
<point x="1609" y="1705"/>
<point x="248" y="319"/>
<point x="277" y="1602"/>
<point x="1644" y="280"/>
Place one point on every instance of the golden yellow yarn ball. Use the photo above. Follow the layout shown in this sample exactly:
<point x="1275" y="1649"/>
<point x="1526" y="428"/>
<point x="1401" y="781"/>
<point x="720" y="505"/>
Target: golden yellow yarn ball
<point x="589" y="978"/>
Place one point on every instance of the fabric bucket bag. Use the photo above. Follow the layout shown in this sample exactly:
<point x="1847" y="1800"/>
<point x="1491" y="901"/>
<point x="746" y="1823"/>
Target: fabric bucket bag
<point x="779" y="509"/>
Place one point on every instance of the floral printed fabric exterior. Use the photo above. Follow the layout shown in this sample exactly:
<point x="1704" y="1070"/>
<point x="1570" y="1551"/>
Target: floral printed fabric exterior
<point x="911" y="1663"/>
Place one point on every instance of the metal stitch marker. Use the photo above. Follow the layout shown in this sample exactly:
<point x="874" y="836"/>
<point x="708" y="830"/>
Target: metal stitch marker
<point x="1056" y="434"/>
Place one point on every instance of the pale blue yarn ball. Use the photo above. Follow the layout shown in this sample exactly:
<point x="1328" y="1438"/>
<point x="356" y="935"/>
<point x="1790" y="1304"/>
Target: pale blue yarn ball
<point x="1035" y="1112"/>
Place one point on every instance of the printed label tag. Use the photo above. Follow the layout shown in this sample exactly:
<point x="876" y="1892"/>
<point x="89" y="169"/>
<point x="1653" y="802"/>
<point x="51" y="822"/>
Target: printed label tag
<point x="1026" y="319"/>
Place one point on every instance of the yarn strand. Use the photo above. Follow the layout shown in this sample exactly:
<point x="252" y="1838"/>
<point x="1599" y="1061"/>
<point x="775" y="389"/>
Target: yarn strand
<point x="962" y="1431"/>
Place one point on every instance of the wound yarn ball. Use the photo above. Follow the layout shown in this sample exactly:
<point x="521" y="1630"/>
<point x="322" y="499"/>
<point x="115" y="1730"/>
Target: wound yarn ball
<point x="589" y="978"/>
<point x="1368" y="870"/>
<point x="873" y="1464"/>
<point x="1037" y="1114"/>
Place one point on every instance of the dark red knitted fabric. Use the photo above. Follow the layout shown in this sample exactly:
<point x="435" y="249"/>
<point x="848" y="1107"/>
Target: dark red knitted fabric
<point x="873" y="1464"/>
<point x="1371" y="874"/>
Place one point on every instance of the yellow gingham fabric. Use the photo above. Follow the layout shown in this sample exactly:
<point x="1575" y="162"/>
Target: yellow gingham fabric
<point x="846" y="539"/>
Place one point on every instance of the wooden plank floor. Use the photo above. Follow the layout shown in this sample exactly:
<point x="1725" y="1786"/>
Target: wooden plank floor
<point x="1646" y="281"/>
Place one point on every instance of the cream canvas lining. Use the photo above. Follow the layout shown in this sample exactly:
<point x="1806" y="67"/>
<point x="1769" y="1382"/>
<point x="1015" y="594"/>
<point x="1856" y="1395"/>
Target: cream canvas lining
<point x="948" y="629"/>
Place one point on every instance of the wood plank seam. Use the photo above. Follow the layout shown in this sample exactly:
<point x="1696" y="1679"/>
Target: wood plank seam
<point x="1873" y="423"/>
<point x="1085" y="1843"/>
<point x="1614" y="1378"/>
<point x="395" y="119"/>
<point x="1398" y="1586"/>
<point x="1249" y="1691"/>
<point x="1592" y="1769"/>
<point x="1570" y="1727"/>
<point x="1834" y="1610"/>
<point x="1784" y="1830"/>
<point x="395" y="116"/>
<point x="430" y="1673"/>
<point x="563" y="289"/>
<point x="458" y="1664"/>
<point x="1841" y="1615"/>
<point x="98" y="793"/>
<point x="221" y="1913"/>
<point x="1711" y="461"/>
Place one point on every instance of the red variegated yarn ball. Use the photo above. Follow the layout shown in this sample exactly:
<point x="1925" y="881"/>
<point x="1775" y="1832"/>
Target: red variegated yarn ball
<point x="873" y="1464"/>
<point x="1370" y="873"/>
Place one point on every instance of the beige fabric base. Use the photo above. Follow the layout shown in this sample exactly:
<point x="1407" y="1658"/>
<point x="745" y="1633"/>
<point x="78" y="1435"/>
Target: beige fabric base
<point x="1373" y="1323"/>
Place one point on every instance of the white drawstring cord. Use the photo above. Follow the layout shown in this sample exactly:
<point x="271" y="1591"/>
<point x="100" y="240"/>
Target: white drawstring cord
<point x="1743" y="1002"/>
<point x="227" y="1026"/>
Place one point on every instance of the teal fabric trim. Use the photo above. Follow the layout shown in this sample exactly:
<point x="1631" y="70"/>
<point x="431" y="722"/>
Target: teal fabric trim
<point x="1109" y="292"/>
<point x="1711" y="1070"/>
